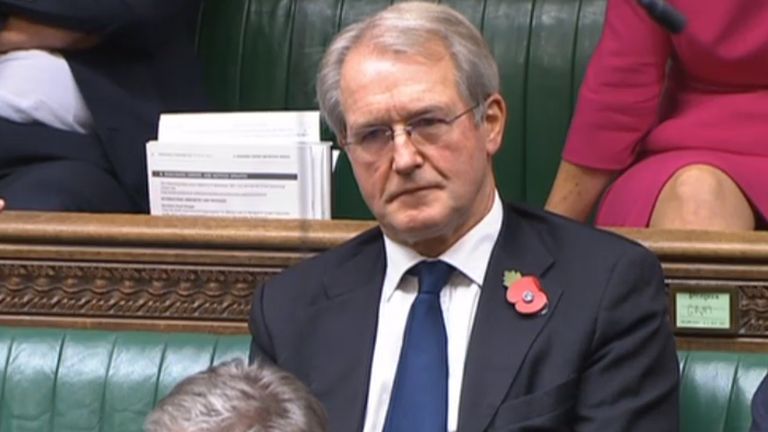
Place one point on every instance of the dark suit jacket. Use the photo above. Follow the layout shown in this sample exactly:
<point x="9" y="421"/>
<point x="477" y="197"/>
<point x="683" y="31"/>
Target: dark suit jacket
<point x="760" y="408"/>
<point x="144" y="65"/>
<point x="601" y="359"/>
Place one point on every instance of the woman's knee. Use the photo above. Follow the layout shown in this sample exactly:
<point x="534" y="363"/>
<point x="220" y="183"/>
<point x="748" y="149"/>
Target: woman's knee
<point x="700" y="184"/>
<point x="702" y="196"/>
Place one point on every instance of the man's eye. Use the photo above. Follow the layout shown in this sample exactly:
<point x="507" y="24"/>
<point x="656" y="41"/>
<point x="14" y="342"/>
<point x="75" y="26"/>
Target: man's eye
<point x="374" y="136"/>
<point x="427" y="122"/>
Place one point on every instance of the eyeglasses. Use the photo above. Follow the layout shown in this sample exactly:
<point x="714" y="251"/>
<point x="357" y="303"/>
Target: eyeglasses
<point x="426" y="129"/>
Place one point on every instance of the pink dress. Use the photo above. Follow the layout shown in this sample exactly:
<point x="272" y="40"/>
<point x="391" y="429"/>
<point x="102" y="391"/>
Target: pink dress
<point x="652" y="103"/>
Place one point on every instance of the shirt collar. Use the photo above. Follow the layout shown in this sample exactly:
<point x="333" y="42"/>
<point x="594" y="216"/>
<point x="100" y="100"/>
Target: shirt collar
<point x="470" y="254"/>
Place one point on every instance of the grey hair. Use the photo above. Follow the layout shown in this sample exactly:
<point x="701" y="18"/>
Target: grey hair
<point x="234" y="397"/>
<point x="410" y="28"/>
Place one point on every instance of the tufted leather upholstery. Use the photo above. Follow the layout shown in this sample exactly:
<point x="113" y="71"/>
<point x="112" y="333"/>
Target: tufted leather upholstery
<point x="716" y="389"/>
<point x="76" y="381"/>
<point x="61" y="380"/>
<point x="263" y="54"/>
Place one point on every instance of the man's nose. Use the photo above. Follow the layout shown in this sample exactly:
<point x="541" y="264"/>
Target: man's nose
<point x="405" y="154"/>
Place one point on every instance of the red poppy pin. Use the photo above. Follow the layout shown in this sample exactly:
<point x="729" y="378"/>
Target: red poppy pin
<point x="525" y="293"/>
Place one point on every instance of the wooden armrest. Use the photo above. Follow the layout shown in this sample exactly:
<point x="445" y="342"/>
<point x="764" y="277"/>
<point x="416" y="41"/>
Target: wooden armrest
<point x="174" y="231"/>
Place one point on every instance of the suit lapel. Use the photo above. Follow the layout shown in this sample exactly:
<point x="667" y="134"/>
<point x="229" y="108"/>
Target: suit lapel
<point x="501" y="337"/>
<point x="341" y="336"/>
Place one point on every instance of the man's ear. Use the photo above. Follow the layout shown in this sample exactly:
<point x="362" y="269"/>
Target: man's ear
<point x="494" y="120"/>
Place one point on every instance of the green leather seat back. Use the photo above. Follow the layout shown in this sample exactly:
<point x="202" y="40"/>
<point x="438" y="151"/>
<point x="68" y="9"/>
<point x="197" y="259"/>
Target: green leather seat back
<point x="716" y="389"/>
<point x="62" y="380"/>
<point x="264" y="54"/>
<point x="79" y="380"/>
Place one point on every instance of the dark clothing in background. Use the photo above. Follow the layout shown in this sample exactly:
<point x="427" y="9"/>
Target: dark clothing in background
<point x="144" y="65"/>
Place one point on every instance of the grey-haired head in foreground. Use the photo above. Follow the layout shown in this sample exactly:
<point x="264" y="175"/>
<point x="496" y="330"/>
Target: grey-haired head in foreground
<point x="235" y="397"/>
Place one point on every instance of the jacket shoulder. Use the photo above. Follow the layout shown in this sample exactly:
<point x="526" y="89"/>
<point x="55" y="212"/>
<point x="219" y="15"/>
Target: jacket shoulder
<point x="569" y="237"/>
<point x="317" y="267"/>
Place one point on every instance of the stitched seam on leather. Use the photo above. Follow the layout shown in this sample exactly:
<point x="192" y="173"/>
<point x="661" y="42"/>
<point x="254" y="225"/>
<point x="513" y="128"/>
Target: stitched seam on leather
<point x="159" y="373"/>
<point x="103" y="408"/>
<point x="526" y="66"/>
<point x="212" y="358"/>
<point x="729" y="403"/>
<point x="339" y="14"/>
<point x="482" y="17"/>
<point x="5" y="376"/>
<point x="240" y="50"/>
<point x="52" y="421"/>
<point x="573" y="90"/>
<point x="685" y="362"/>
<point x="288" y="61"/>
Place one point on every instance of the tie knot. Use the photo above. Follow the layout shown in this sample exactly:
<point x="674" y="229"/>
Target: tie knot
<point x="432" y="275"/>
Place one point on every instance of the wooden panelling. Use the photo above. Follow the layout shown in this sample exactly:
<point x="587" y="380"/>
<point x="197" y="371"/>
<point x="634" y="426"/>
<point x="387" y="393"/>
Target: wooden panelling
<point x="191" y="273"/>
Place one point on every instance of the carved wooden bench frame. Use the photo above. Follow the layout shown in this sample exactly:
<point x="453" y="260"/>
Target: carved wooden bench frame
<point x="197" y="274"/>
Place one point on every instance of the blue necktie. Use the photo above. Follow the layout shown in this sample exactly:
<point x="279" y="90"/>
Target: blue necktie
<point x="419" y="399"/>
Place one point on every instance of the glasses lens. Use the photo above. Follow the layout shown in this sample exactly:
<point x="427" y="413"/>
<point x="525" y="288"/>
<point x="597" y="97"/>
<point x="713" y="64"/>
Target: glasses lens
<point x="429" y="130"/>
<point x="371" y="137"/>
<point x="422" y="130"/>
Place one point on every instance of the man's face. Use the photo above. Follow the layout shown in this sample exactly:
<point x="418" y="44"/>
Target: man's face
<point x="425" y="193"/>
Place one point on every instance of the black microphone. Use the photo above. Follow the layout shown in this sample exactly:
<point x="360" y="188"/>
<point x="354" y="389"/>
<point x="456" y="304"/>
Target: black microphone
<point x="664" y="14"/>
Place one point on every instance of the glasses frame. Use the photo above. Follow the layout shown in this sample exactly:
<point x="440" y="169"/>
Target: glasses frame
<point x="408" y="128"/>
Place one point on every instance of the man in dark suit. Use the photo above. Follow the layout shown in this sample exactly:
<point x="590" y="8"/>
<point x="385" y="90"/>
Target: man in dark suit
<point x="760" y="408"/>
<point x="130" y="60"/>
<point x="459" y="312"/>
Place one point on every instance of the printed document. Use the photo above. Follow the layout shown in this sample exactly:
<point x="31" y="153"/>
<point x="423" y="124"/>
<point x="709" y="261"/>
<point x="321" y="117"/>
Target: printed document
<point x="259" y="164"/>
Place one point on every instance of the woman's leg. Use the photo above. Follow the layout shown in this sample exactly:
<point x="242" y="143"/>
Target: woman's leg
<point x="702" y="197"/>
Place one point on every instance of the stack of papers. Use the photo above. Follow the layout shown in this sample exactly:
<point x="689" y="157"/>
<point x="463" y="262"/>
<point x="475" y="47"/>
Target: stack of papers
<point x="252" y="164"/>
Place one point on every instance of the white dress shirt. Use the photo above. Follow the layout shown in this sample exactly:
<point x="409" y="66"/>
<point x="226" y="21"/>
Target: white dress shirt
<point x="458" y="299"/>
<point x="37" y="86"/>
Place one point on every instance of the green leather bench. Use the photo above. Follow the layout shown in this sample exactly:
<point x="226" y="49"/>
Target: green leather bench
<point x="263" y="55"/>
<point x="56" y="380"/>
